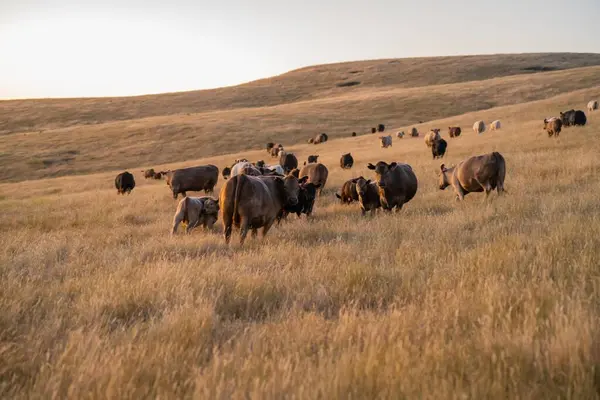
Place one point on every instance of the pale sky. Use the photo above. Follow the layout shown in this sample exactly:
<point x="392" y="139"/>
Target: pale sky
<point x="85" y="48"/>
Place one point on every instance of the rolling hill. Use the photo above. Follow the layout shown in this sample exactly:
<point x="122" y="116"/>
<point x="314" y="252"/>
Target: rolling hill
<point x="56" y="137"/>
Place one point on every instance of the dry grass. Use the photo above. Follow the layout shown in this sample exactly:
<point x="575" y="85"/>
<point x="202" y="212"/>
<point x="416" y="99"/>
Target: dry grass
<point x="50" y="138"/>
<point x="444" y="300"/>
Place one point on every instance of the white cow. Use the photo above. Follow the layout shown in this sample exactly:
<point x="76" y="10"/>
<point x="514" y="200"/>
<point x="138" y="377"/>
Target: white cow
<point x="592" y="105"/>
<point x="495" y="125"/>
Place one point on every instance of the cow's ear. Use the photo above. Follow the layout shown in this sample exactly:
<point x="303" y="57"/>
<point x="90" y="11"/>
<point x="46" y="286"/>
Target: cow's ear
<point x="370" y="166"/>
<point x="303" y="179"/>
<point x="393" y="165"/>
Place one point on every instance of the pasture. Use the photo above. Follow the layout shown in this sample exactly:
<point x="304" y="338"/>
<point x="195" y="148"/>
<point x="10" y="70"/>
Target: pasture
<point x="496" y="299"/>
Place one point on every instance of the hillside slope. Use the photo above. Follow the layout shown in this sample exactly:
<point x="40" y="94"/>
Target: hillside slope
<point x="165" y="139"/>
<point x="299" y="85"/>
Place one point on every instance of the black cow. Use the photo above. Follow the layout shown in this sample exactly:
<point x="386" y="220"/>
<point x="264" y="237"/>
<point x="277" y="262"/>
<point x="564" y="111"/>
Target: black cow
<point x="380" y="127"/>
<point x="306" y="200"/>
<point x="124" y="182"/>
<point x="226" y="172"/>
<point x="346" y="161"/>
<point x="438" y="149"/>
<point x="573" y="118"/>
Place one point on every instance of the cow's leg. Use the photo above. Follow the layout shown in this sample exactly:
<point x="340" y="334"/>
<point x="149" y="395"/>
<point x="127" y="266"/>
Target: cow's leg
<point x="460" y="194"/>
<point x="183" y="194"/>
<point x="267" y="226"/>
<point x="244" y="224"/>
<point x="192" y="223"/>
<point x="363" y="211"/>
<point x="227" y="230"/>
<point x="254" y="233"/>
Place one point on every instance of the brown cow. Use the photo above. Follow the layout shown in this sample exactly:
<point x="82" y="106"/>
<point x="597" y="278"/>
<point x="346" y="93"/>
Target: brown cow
<point x="149" y="173"/>
<point x="182" y="180"/>
<point x="397" y="184"/>
<point x="346" y="161"/>
<point x="454" y="131"/>
<point x="252" y="202"/>
<point x="195" y="211"/>
<point x="317" y="174"/>
<point x="368" y="195"/>
<point x="553" y="126"/>
<point x="475" y="174"/>
<point x="275" y="150"/>
<point x="349" y="193"/>
<point x="288" y="161"/>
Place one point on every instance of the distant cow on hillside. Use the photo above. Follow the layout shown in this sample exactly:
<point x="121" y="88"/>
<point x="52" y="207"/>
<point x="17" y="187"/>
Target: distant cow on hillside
<point x="386" y="141"/>
<point x="479" y="127"/>
<point x="454" y="131"/>
<point x="432" y="136"/>
<point x="495" y="125"/>
<point x="553" y="126"/>
<point x="414" y="132"/>
<point x="592" y="105"/>
<point x="124" y="183"/>
<point x="346" y="161"/>
<point x="573" y="118"/>
<point x="380" y="127"/>
<point x="400" y="134"/>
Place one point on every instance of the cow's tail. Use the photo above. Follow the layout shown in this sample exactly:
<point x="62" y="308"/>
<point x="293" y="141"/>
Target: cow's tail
<point x="501" y="171"/>
<point x="237" y="194"/>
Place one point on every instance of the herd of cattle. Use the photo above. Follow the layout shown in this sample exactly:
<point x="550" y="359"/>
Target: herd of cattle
<point x="256" y="195"/>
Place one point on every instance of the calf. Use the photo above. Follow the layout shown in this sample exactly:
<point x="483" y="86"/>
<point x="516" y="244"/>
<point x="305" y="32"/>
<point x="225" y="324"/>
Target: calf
<point x="368" y="195"/>
<point x="306" y="200"/>
<point x="348" y="192"/>
<point x="195" y="211"/>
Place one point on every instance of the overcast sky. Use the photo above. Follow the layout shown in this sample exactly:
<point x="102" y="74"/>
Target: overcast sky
<point x="73" y="48"/>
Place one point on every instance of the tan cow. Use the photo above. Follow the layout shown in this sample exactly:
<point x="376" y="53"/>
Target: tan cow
<point x="553" y="126"/>
<point x="495" y="125"/>
<point x="252" y="202"/>
<point x="196" y="211"/>
<point x="475" y="174"/>
<point x="432" y="136"/>
<point x="592" y="105"/>
<point x="479" y="127"/>
<point x="317" y="173"/>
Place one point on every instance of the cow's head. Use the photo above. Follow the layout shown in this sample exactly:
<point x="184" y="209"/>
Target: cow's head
<point x="211" y="206"/>
<point x="362" y="186"/>
<point x="291" y="189"/>
<point x="309" y="191"/>
<point x="445" y="173"/>
<point x="382" y="171"/>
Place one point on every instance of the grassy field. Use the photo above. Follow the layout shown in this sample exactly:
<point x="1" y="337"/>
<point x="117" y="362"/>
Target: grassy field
<point x="443" y="300"/>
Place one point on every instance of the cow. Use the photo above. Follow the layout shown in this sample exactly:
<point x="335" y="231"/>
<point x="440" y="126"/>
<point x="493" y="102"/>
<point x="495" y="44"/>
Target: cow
<point x="196" y="211"/>
<point x="245" y="167"/>
<point x="454" y="131"/>
<point x="306" y="200"/>
<point x="124" y="183"/>
<point x="373" y="130"/>
<point x="353" y="134"/>
<point x="346" y="161"/>
<point x="592" y="105"/>
<point x="573" y="118"/>
<point x="275" y="150"/>
<point x="252" y="202"/>
<point x="479" y="127"/>
<point x="380" y="128"/>
<point x="553" y="126"/>
<point x="311" y="159"/>
<point x="438" y="149"/>
<point x="226" y="173"/>
<point x="400" y="134"/>
<point x="320" y="138"/>
<point x="203" y="177"/>
<point x="432" y="136"/>
<point x="259" y="164"/>
<point x="386" y="141"/>
<point x="317" y="173"/>
<point x="475" y="174"/>
<point x="414" y="132"/>
<point x="397" y="184"/>
<point x="495" y="125"/>
<point x="148" y="173"/>
<point x="270" y="145"/>
<point x="288" y="161"/>
<point x="348" y="193"/>
<point x="368" y="195"/>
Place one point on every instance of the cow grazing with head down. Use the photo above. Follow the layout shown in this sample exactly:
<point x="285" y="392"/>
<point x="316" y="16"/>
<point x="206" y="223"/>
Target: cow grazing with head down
<point x="400" y="134"/>
<point x="317" y="174"/>
<point x="149" y="173"/>
<point x="479" y="127"/>
<point x="454" y="131"/>
<point x="196" y="211"/>
<point x="253" y="202"/>
<point x="438" y="148"/>
<point x="553" y="126"/>
<point x="475" y="174"/>
<point x="414" y="132"/>
<point x="592" y="105"/>
<point x="124" y="183"/>
<point x="432" y="136"/>
<point x="368" y="195"/>
<point x="573" y="118"/>
<point x="495" y="125"/>
<point x="184" y="180"/>
<point x="311" y="159"/>
<point x="346" y="161"/>
<point x="348" y="193"/>
<point x="397" y="184"/>
<point x="386" y="141"/>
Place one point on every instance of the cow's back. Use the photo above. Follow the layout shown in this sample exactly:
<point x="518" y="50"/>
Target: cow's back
<point x="484" y="168"/>
<point x="194" y="178"/>
<point x="317" y="173"/>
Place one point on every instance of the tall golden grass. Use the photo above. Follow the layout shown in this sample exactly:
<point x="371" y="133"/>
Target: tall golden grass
<point x="497" y="299"/>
